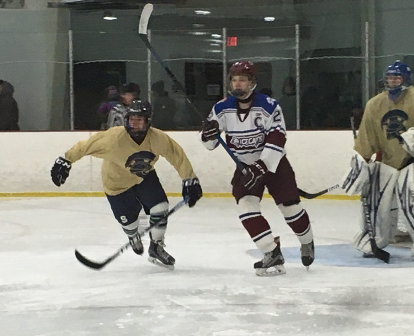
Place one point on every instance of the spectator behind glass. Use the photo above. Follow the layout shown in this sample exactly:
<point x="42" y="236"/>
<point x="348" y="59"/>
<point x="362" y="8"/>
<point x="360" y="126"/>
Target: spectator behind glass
<point x="164" y="107"/>
<point x="111" y="99"/>
<point x="9" y="111"/>
<point x="127" y="94"/>
<point x="266" y="91"/>
<point x="288" y="102"/>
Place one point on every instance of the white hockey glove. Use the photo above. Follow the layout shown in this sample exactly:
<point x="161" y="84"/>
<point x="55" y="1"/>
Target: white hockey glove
<point x="358" y="175"/>
<point x="408" y="141"/>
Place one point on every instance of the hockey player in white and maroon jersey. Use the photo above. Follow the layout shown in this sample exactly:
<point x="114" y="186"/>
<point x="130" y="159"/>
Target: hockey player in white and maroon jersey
<point x="130" y="182"/>
<point x="256" y="134"/>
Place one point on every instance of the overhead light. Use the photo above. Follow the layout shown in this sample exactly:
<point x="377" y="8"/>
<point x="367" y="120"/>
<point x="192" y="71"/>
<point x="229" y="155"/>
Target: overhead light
<point x="109" y="16"/>
<point x="202" y="12"/>
<point x="198" y="25"/>
<point x="197" y="33"/>
<point x="217" y="36"/>
<point x="269" y="18"/>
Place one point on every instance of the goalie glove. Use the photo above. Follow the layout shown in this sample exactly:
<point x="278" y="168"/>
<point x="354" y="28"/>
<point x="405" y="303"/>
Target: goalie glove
<point x="359" y="174"/>
<point x="253" y="174"/>
<point x="192" y="190"/>
<point x="60" y="171"/>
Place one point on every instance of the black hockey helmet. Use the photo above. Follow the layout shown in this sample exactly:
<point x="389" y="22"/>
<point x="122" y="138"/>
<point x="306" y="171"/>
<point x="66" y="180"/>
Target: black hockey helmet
<point x="138" y="108"/>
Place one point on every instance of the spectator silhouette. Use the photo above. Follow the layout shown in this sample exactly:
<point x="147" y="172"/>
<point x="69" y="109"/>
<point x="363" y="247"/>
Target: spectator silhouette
<point x="164" y="107"/>
<point x="288" y="102"/>
<point x="127" y="94"/>
<point x="9" y="110"/>
<point x="111" y="99"/>
<point x="266" y="91"/>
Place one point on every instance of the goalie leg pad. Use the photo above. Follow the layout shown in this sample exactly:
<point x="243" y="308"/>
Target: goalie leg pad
<point x="382" y="206"/>
<point x="405" y="197"/>
<point x="358" y="176"/>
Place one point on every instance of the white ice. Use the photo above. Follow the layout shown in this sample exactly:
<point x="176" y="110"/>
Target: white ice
<point x="45" y="291"/>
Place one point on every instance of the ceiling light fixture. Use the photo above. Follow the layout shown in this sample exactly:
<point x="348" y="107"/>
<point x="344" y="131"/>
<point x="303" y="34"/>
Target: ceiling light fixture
<point x="109" y="16"/>
<point x="202" y="12"/>
<point x="269" y="18"/>
<point x="217" y="36"/>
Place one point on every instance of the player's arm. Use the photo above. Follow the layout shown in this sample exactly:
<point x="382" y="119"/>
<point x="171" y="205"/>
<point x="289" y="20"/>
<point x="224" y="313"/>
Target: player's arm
<point x="97" y="145"/>
<point x="366" y="143"/>
<point x="211" y="128"/>
<point x="274" y="148"/>
<point x="176" y="156"/>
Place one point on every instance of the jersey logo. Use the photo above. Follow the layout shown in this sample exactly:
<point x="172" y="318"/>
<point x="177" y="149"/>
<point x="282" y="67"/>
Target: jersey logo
<point x="258" y="122"/>
<point x="393" y="122"/>
<point x="253" y="141"/>
<point x="139" y="163"/>
<point x="271" y="101"/>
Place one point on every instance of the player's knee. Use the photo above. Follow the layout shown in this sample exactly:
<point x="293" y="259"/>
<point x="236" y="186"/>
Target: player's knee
<point x="290" y="210"/>
<point x="158" y="213"/>
<point x="249" y="204"/>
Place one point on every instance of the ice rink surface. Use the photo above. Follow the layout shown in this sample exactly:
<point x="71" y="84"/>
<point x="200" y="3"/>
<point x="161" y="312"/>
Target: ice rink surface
<point x="45" y="291"/>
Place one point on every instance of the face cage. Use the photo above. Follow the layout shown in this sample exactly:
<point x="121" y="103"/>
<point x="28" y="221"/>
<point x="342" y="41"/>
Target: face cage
<point x="395" y="92"/>
<point x="137" y="133"/>
<point x="238" y="93"/>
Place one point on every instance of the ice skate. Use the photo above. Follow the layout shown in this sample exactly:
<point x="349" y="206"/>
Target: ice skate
<point x="158" y="256"/>
<point x="271" y="264"/>
<point x="307" y="252"/>
<point x="136" y="244"/>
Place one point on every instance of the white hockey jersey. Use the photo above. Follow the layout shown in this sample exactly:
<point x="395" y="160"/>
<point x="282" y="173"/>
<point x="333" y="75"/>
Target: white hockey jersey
<point x="262" y="135"/>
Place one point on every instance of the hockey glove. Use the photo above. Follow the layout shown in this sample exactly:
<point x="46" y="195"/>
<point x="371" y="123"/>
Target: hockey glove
<point x="60" y="171"/>
<point x="254" y="174"/>
<point x="192" y="190"/>
<point x="210" y="130"/>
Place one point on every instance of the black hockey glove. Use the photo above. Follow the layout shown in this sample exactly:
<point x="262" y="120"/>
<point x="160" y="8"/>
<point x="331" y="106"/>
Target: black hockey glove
<point x="210" y="130"/>
<point x="192" y="190"/>
<point x="254" y="174"/>
<point x="60" y="171"/>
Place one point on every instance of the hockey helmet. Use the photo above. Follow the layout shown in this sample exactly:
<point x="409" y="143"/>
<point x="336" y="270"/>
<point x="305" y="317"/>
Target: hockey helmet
<point x="395" y="88"/>
<point x="138" y="108"/>
<point x="242" y="68"/>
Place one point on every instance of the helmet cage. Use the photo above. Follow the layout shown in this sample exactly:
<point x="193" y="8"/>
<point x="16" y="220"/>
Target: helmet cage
<point x="242" y="68"/>
<point x="138" y="109"/>
<point x="397" y="69"/>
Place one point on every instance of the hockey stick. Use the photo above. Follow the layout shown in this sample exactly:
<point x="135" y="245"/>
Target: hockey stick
<point x="376" y="251"/>
<point x="99" y="265"/>
<point x="142" y="32"/>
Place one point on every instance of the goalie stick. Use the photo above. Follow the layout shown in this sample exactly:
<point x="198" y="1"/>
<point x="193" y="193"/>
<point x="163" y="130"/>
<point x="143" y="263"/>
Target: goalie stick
<point x="142" y="32"/>
<point x="376" y="251"/>
<point x="96" y="265"/>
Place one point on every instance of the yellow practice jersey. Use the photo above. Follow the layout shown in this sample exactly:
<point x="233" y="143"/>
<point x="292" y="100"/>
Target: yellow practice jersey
<point x="381" y="125"/>
<point x="117" y="149"/>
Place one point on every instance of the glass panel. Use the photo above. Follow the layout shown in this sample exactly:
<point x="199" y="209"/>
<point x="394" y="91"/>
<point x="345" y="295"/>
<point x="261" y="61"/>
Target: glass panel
<point x="273" y="52"/>
<point x="195" y="59"/>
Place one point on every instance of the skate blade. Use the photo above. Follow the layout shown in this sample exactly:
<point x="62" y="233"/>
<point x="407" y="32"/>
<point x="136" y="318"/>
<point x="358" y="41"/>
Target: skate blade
<point x="155" y="261"/>
<point x="271" y="271"/>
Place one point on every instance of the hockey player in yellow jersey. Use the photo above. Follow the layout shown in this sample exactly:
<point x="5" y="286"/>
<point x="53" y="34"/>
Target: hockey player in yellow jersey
<point x="386" y="187"/>
<point x="130" y="182"/>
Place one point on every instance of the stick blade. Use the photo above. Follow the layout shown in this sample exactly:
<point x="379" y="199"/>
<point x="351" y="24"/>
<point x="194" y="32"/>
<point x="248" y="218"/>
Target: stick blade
<point x="145" y="16"/>
<point x="89" y="263"/>
<point x="378" y="253"/>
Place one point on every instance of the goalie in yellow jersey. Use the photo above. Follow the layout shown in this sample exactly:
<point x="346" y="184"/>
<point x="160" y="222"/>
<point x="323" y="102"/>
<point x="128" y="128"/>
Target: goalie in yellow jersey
<point x="130" y="182"/>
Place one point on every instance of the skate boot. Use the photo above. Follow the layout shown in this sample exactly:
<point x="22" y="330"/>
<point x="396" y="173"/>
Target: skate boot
<point x="158" y="256"/>
<point x="136" y="244"/>
<point x="307" y="252"/>
<point x="271" y="264"/>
